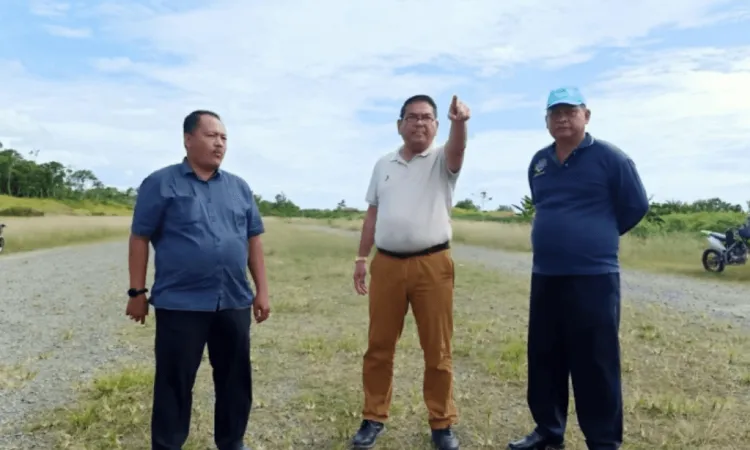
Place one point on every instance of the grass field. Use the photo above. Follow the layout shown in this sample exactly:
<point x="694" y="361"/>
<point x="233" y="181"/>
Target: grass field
<point x="675" y="253"/>
<point x="687" y="378"/>
<point x="69" y="207"/>
<point x="32" y="233"/>
<point x="63" y="223"/>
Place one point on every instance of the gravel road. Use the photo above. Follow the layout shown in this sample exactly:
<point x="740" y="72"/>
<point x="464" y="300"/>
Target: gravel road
<point x="723" y="299"/>
<point x="60" y="311"/>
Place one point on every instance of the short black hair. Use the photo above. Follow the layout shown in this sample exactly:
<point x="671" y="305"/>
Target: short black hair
<point x="190" y="124"/>
<point x="418" y="98"/>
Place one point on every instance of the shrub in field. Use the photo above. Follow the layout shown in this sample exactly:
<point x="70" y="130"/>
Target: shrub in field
<point x="690" y="223"/>
<point x="717" y="221"/>
<point x="19" y="211"/>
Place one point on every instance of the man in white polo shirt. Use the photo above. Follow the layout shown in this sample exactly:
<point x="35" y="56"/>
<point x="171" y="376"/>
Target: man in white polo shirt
<point x="408" y="220"/>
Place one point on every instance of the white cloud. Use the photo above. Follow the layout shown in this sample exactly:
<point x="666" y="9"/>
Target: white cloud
<point x="68" y="32"/>
<point x="291" y="79"/>
<point x="682" y="116"/>
<point x="48" y="8"/>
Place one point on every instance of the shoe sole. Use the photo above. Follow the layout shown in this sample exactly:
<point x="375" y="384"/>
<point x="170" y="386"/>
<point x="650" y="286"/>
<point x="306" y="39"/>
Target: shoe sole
<point x="434" y="445"/>
<point x="547" y="447"/>
<point x="368" y="447"/>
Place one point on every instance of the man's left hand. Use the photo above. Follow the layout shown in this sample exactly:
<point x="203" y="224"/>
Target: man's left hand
<point x="261" y="307"/>
<point x="458" y="111"/>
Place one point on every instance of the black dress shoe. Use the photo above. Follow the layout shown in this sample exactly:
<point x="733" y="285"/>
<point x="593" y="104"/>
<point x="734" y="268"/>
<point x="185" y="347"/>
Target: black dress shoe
<point x="367" y="435"/>
<point x="241" y="447"/>
<point x="536" y="441"/>
<point x="445" y="439"/>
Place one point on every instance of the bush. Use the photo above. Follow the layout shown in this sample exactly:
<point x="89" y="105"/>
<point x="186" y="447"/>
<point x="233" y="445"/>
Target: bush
<point x="20" y="211"/>
<point x="690" y="223"/>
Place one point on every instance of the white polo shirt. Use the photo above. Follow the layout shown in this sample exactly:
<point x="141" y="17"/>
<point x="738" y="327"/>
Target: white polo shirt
<point x="414" y="200"/>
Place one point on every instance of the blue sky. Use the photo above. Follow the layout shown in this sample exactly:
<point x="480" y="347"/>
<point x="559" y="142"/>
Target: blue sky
<point x="310" y="91"/>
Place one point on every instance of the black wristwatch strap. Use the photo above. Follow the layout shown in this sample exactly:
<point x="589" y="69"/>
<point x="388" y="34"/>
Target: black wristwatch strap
<point x="136" y="292"/>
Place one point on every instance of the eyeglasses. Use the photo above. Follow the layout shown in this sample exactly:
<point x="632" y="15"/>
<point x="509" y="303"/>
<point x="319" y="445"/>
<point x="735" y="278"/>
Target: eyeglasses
<point x="414" y="118"/>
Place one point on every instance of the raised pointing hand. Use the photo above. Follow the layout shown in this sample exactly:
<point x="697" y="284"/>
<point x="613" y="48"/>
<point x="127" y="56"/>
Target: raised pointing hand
<point x="458" y="111"/>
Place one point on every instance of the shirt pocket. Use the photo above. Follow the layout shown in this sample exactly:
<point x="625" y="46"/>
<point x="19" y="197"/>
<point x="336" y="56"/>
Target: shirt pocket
<point x="239" y="217"/>
<point x="185" y="210"/>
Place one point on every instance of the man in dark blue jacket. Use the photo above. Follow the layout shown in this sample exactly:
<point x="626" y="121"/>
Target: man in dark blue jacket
<point x="586" y="193"/>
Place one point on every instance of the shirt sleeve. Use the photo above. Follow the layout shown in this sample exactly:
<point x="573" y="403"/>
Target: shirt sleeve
<point x="372" y="190"/>
<point x="149" y="207"/>
<point x="530" y="176"/>
<point x="452" y="176"/>
<point x="630" y="199"/>
<point x="254" y="220"/>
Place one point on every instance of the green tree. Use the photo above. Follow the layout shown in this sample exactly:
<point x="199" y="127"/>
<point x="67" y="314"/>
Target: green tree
<point x="24" y="177"/>
<point x="484" y="197"/>
<point x="526" y="208"/>
<point x="467" y="204"/>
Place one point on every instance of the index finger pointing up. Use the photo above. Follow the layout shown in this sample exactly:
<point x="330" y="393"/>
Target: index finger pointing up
<point x="454" y="102"/>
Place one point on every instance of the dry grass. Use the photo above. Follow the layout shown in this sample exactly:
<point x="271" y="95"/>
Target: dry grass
<point x="686" y="377"/>
<point x="676" y="253"/>
<point x="51" y="206"/>
<point x="15" y="376"/>
<point x="32" y="233"/>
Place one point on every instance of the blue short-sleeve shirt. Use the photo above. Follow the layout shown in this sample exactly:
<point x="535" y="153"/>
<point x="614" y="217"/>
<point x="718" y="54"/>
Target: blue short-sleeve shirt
<point x="200" y="233"/>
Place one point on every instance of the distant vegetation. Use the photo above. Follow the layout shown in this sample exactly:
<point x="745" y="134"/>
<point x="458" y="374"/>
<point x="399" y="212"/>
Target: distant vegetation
<point x="28" y="188"/>
<point x="662" y="218"/>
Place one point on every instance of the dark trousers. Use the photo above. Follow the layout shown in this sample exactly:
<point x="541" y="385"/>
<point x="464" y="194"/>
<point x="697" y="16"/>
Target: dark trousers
<point x="573" y="331"/>
<point x="181" y="337"/>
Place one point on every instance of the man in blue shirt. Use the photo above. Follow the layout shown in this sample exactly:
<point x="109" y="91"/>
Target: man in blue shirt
<point x="204" y="225"/>
<point x="586" y="193"/>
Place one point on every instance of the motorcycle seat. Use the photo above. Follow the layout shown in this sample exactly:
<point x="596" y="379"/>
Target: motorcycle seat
<point x="720" y="236"/>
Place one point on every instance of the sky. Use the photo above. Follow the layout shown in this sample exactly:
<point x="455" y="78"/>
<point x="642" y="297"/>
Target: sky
<point x="310" y="90"/>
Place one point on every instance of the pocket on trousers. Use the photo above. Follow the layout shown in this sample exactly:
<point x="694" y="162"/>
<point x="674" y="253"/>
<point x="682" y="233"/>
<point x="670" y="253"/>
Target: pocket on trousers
<point x="446" y="267"/>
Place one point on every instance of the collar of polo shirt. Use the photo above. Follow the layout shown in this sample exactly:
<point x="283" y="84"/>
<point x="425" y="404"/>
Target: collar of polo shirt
<point x="398" y="157"/>
<point x="588" y="141"/>
<point x="186" y="169"/>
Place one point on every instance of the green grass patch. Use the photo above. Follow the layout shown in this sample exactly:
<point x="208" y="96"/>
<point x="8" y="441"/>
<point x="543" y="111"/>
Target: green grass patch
<point x="686" y="376"/>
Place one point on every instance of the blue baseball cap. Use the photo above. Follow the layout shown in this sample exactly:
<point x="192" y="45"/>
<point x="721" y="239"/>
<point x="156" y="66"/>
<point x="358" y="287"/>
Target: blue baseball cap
<point x="565" y="96"/>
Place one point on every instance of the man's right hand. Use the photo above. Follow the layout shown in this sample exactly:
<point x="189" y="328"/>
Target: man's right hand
<point x="360" y="275"/>
<point x="137" y="308"/>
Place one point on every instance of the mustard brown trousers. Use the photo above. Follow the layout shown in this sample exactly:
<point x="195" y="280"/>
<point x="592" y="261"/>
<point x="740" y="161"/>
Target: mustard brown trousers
<point x="426" y="283"/>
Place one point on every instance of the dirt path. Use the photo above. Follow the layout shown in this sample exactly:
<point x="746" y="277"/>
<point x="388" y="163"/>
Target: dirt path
<point x="727" y="300"/>
<point x="60" y="312"/>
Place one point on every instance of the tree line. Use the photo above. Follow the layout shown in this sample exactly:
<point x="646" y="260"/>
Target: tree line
<point x="22" y="176"/>
<point x="711" y="205"/>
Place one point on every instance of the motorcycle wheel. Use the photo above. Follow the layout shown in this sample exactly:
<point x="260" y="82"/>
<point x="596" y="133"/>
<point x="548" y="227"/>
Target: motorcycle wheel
<point x="712" y="261"/>
<point x="2" y="244"/>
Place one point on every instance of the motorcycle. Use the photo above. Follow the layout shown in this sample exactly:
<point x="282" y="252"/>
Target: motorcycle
<point x="717" y="256"/>
<point x="2" y="239"/>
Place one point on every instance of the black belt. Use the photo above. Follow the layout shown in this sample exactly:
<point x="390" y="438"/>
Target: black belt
<point x="425" y="252"/>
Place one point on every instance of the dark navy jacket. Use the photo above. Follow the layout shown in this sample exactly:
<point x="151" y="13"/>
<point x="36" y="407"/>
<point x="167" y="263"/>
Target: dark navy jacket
<point x="583" y="206"/>
<point x="199" y="231"/>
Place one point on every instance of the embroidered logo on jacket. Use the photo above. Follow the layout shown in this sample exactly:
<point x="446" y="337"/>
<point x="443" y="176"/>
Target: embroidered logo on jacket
<point x="539" y="167"/>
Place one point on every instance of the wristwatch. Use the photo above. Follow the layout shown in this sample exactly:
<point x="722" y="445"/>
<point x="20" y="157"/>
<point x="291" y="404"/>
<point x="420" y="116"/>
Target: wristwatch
<point x="361" y="259"/>
<point x="132" y="293"/>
